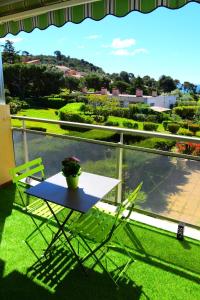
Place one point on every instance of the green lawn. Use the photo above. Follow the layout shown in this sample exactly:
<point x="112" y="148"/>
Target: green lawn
<point x="164" y="268"/>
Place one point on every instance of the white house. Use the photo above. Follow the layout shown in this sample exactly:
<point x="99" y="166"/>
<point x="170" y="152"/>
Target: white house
<point x="158" y="101"/>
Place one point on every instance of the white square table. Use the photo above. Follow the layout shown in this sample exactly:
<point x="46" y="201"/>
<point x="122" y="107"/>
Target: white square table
<point x="92" y="188"/>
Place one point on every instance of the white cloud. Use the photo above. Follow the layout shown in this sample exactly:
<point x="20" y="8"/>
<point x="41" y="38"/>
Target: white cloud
<point x="120" y="44"/>
<point x="81" y="47"/>
<point x="14" y="39"/>
<point x="93" y="37"/>
<point x="125" y="52"/>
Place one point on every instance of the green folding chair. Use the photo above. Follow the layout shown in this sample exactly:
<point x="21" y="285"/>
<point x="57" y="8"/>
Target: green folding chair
<point x="96" y="229"/>
<point x="40" y="214"/>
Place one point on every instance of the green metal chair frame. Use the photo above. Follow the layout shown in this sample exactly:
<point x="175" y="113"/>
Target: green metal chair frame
<point x="98" y="227"/>
<point x="22" y="177"/>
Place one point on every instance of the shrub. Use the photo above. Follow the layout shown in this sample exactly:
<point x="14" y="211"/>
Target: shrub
<point x="46" y="101"/>
<point x="75" y="117"/>
<point x="183" y="131"/>
<point x="173" y="127"/>
<point x="73" y="113"/>
<point x="14" y="108"/>
<point x="122" y="112"/>
<point x="37" y="128"/>
<point x="16" y="105"/>
<point x="193" y="128"/>
<point x="139" y="117"/>
<point x="71" y="108"/>
<point x="79" y="118"/>
<point x="165" y="124"/>
<point x="164" y="145"/>
<point x="186" y="103"/>
<point x="150" y="126"/>
<point x="152" y="118"/>
<point x="54" y="99"/>
<point x="157" y="143"/>
<point x="131" y="125"/>
<point x="185" y="111"/>
<point x="99" y="119"/>
<point x="184" y="124"/>
<point x="175" y="118"/>
<point x="112" y="123"/>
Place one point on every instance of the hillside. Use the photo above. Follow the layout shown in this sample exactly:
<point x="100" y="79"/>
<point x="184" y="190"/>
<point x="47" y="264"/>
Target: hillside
<point x="70" y="62"/>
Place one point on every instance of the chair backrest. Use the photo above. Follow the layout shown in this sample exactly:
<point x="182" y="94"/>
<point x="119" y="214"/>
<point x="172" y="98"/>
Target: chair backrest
<point x="26" y="170"/>
<point x="127" y="204"/>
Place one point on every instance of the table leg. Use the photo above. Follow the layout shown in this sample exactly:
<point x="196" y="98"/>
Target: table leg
<point x="58" y="233"/>
<point x="61" y="229"/>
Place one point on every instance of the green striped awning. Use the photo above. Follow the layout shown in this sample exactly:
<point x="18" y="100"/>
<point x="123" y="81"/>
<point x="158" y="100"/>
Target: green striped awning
<point x="18" y="15"/>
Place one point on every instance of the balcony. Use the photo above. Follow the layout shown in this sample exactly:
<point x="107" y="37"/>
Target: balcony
<point x="164" y="268"/>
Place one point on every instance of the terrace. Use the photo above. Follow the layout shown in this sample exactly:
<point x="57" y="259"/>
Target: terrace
<point x="163" y="266"/>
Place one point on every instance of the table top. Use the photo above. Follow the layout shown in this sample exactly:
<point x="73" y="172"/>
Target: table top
<point x="92" y="188"/>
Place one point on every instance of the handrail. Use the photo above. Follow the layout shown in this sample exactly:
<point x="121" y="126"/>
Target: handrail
<point x="111" y="144"/>
<point x="113" y="129"/>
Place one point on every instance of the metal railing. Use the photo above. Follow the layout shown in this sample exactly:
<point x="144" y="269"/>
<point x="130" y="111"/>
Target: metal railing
<point x="122" y="150"/>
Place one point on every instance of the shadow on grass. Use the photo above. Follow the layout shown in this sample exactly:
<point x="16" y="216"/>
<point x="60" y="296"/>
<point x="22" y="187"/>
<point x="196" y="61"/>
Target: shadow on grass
<point x="60" y="272"/>
<point x="7" y="198"/>
<point x="175" y="263"/>
<point x="18" y="286"/>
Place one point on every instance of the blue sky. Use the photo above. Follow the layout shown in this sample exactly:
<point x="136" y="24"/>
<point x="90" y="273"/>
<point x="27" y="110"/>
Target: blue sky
<point x="162" y="42"/>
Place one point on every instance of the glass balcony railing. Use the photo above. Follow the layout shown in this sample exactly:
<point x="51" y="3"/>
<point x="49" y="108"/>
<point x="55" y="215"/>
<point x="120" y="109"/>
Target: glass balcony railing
<point x="170" y="179"/>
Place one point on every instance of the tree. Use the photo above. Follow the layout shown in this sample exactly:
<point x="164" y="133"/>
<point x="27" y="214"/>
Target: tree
<point x="72" y="83"/>
<point x="58" y="55"/>
<point x="124" y="76"/>
<point x="28" y="80"/>
<point x="93" y="81"/>
<point x="122" y="86"/>
<point x="166" y="84"/>
<point x="139" y="83"/>
<point x="105" y="82"/>
<point x="189" y="87"/>
<point x="9" y="54"/>
<point x="25" y="53"/>
<point x="150" y="84"/>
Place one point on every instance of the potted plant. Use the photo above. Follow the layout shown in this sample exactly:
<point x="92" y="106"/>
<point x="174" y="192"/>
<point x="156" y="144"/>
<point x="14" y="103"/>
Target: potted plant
<point x="71" y="170"/>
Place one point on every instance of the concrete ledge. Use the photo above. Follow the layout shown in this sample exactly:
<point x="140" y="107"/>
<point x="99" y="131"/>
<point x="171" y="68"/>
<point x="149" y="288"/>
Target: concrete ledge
<point x="156" y="222"/>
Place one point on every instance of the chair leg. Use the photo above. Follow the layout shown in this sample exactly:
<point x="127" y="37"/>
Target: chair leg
<point x="38" y="227"/>
<point x="98" y="261"/>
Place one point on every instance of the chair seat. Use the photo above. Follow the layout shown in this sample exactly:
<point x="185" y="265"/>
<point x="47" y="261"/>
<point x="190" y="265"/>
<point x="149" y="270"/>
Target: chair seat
<point x="94" y="225"/>
<point x="40" y="209"/>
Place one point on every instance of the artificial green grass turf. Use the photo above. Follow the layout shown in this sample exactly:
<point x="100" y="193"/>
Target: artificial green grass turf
<point x="164" y="268"/>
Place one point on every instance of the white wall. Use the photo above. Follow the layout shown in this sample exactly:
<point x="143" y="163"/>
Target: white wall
<point x="162" y="101"/>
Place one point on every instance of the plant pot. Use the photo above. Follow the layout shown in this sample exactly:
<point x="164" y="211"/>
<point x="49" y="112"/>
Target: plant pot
<point x="72" y="182"/>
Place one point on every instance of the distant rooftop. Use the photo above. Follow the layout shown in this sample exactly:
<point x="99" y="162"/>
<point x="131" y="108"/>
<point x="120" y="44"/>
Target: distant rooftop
<point x="159" y="109"/>
<point x="35" y="61"/>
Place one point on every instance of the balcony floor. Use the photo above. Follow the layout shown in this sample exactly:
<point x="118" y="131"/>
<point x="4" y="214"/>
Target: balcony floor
<point x="164" y="268"/>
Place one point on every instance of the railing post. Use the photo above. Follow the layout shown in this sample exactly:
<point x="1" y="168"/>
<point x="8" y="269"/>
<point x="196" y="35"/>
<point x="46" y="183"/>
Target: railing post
<point x="120" y="168"/>
<point x="2" y="93"/>
<point x="26" y="154"/>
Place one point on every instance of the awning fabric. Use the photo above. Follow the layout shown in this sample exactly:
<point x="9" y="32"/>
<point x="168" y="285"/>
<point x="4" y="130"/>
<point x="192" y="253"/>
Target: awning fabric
<point x="13" y="17"/>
